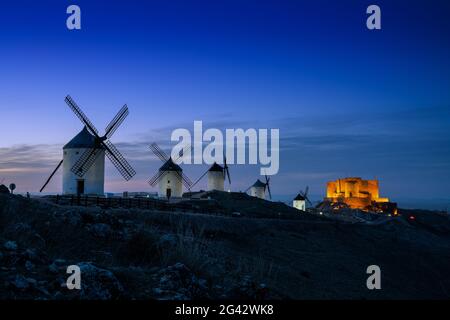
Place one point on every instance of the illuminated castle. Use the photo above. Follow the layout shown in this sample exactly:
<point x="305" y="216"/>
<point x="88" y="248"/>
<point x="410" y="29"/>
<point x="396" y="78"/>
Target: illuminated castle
<point x="357" y="194"/>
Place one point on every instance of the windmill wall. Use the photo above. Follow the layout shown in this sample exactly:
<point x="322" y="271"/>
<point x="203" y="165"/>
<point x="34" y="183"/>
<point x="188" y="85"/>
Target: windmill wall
<point x="173" y="181"/>
<point x="215" y="181"/>
<point x="94" y="178"/>
<point x="258" y="192"/>
<point x="299" y="204"/>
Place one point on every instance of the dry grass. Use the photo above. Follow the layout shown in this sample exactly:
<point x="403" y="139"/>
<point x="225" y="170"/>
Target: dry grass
<point x="140" y="250"/>
<point x="259" y="268"/>
<point x="191" y="248"/>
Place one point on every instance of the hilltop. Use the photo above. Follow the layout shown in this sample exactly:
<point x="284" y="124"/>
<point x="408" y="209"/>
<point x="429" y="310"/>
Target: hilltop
<point x="150" y="254"/>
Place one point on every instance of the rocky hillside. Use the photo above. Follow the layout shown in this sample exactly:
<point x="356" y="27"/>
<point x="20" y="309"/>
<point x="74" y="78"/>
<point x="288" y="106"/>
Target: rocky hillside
<point x="125" y="254"/>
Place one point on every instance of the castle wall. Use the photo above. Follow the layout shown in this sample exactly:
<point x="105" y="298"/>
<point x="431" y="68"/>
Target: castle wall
<point x="331" y="189"/>
<point x="354" y="191"/>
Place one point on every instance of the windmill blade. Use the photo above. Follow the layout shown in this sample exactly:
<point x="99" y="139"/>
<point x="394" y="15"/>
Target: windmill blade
<point x="268" y="185"/>
<point x="268" y="189"/>
<point x="158" y="152"/>
<point x="225" y="169"/>
<point x="85" y="162"/>
<point x="185" y="180"/>
<point x="307" y="200"/>
<point x="306" y="190"/>
<point x="80" y="114"/>
<point x="228" y="174"/>
<point x="246" y="190"/>
<point x="118" y="160"/>
<point x="117" y="121"/>
<point x="182" y="152"/>
<point x="153" y="180"/>
<point x="193" y="185"/>
<point x="51" y="176"/>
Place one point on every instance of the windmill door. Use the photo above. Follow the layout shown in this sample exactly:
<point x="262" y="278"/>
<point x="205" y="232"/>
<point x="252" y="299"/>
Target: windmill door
<point x="80" y="187"/>
<point x="168" y="193"/>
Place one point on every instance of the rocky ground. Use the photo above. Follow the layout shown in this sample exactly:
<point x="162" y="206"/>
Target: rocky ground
<point x="140" y="254"/>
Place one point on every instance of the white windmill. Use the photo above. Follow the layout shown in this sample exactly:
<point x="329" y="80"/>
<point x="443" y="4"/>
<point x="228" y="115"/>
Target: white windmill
<point x="170" y="177"/>
<point x="84" y="156"/>
<point x="216" y="176"/>
<point x="300" y="200"/>
<point x="258" y="189"/>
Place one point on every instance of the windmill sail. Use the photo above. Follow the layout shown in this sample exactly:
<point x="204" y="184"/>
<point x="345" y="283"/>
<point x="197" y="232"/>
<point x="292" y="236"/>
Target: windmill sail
<point x="226" y="169"/>
<point x="80" y="114"/>
<point x="51" y="175"/>
<point x="168" y="161"/>
<point x="268" y="186"/>
<point x="116" y="122"/>
<point x="91" y="154"/>
<point x="88" y="158"/>
<point x="119" y="161"/>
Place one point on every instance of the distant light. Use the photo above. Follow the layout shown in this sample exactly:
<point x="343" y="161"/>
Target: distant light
<point x="412" y="217"/>
<point x="321" y="213"/>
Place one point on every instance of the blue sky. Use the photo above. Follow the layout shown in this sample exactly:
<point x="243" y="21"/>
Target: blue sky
<point x="348" y="101"/>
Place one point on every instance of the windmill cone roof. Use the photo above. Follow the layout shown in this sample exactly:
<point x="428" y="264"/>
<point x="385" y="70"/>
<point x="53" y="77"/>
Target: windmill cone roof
<point x="216" y="167"/>
<point x="84" y="139"/>
<point x="299" y="197"/>
<point x="169" y="165"/>
<point x="259" y="184"/>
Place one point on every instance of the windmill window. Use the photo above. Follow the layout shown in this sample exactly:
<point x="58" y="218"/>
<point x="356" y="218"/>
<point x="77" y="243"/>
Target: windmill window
<point x="77" y="152"/>
<point x="168" y="181"/>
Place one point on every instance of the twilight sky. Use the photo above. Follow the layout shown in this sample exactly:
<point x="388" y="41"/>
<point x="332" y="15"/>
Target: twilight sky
<point x="348" y="101"/>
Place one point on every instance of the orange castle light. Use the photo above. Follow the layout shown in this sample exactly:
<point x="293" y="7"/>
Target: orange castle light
<point x="355" y="192"/>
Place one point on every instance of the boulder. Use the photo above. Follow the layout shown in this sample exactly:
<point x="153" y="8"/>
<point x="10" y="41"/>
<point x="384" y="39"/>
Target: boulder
<point x="98" y="283"/>
<point x="20" y="282"/>
<point x="57" y="265"/>
<point x="29" y="265"/>
<point x="10" y="245"/>
<point x="100" y="230"/>
<point x="167" y="241"/>
<point x="178" y="282"/>
<point x="247" y="288"/>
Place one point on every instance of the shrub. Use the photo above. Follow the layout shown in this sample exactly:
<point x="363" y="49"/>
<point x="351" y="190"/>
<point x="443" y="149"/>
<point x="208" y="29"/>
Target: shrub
<point x="140" y="249"/>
